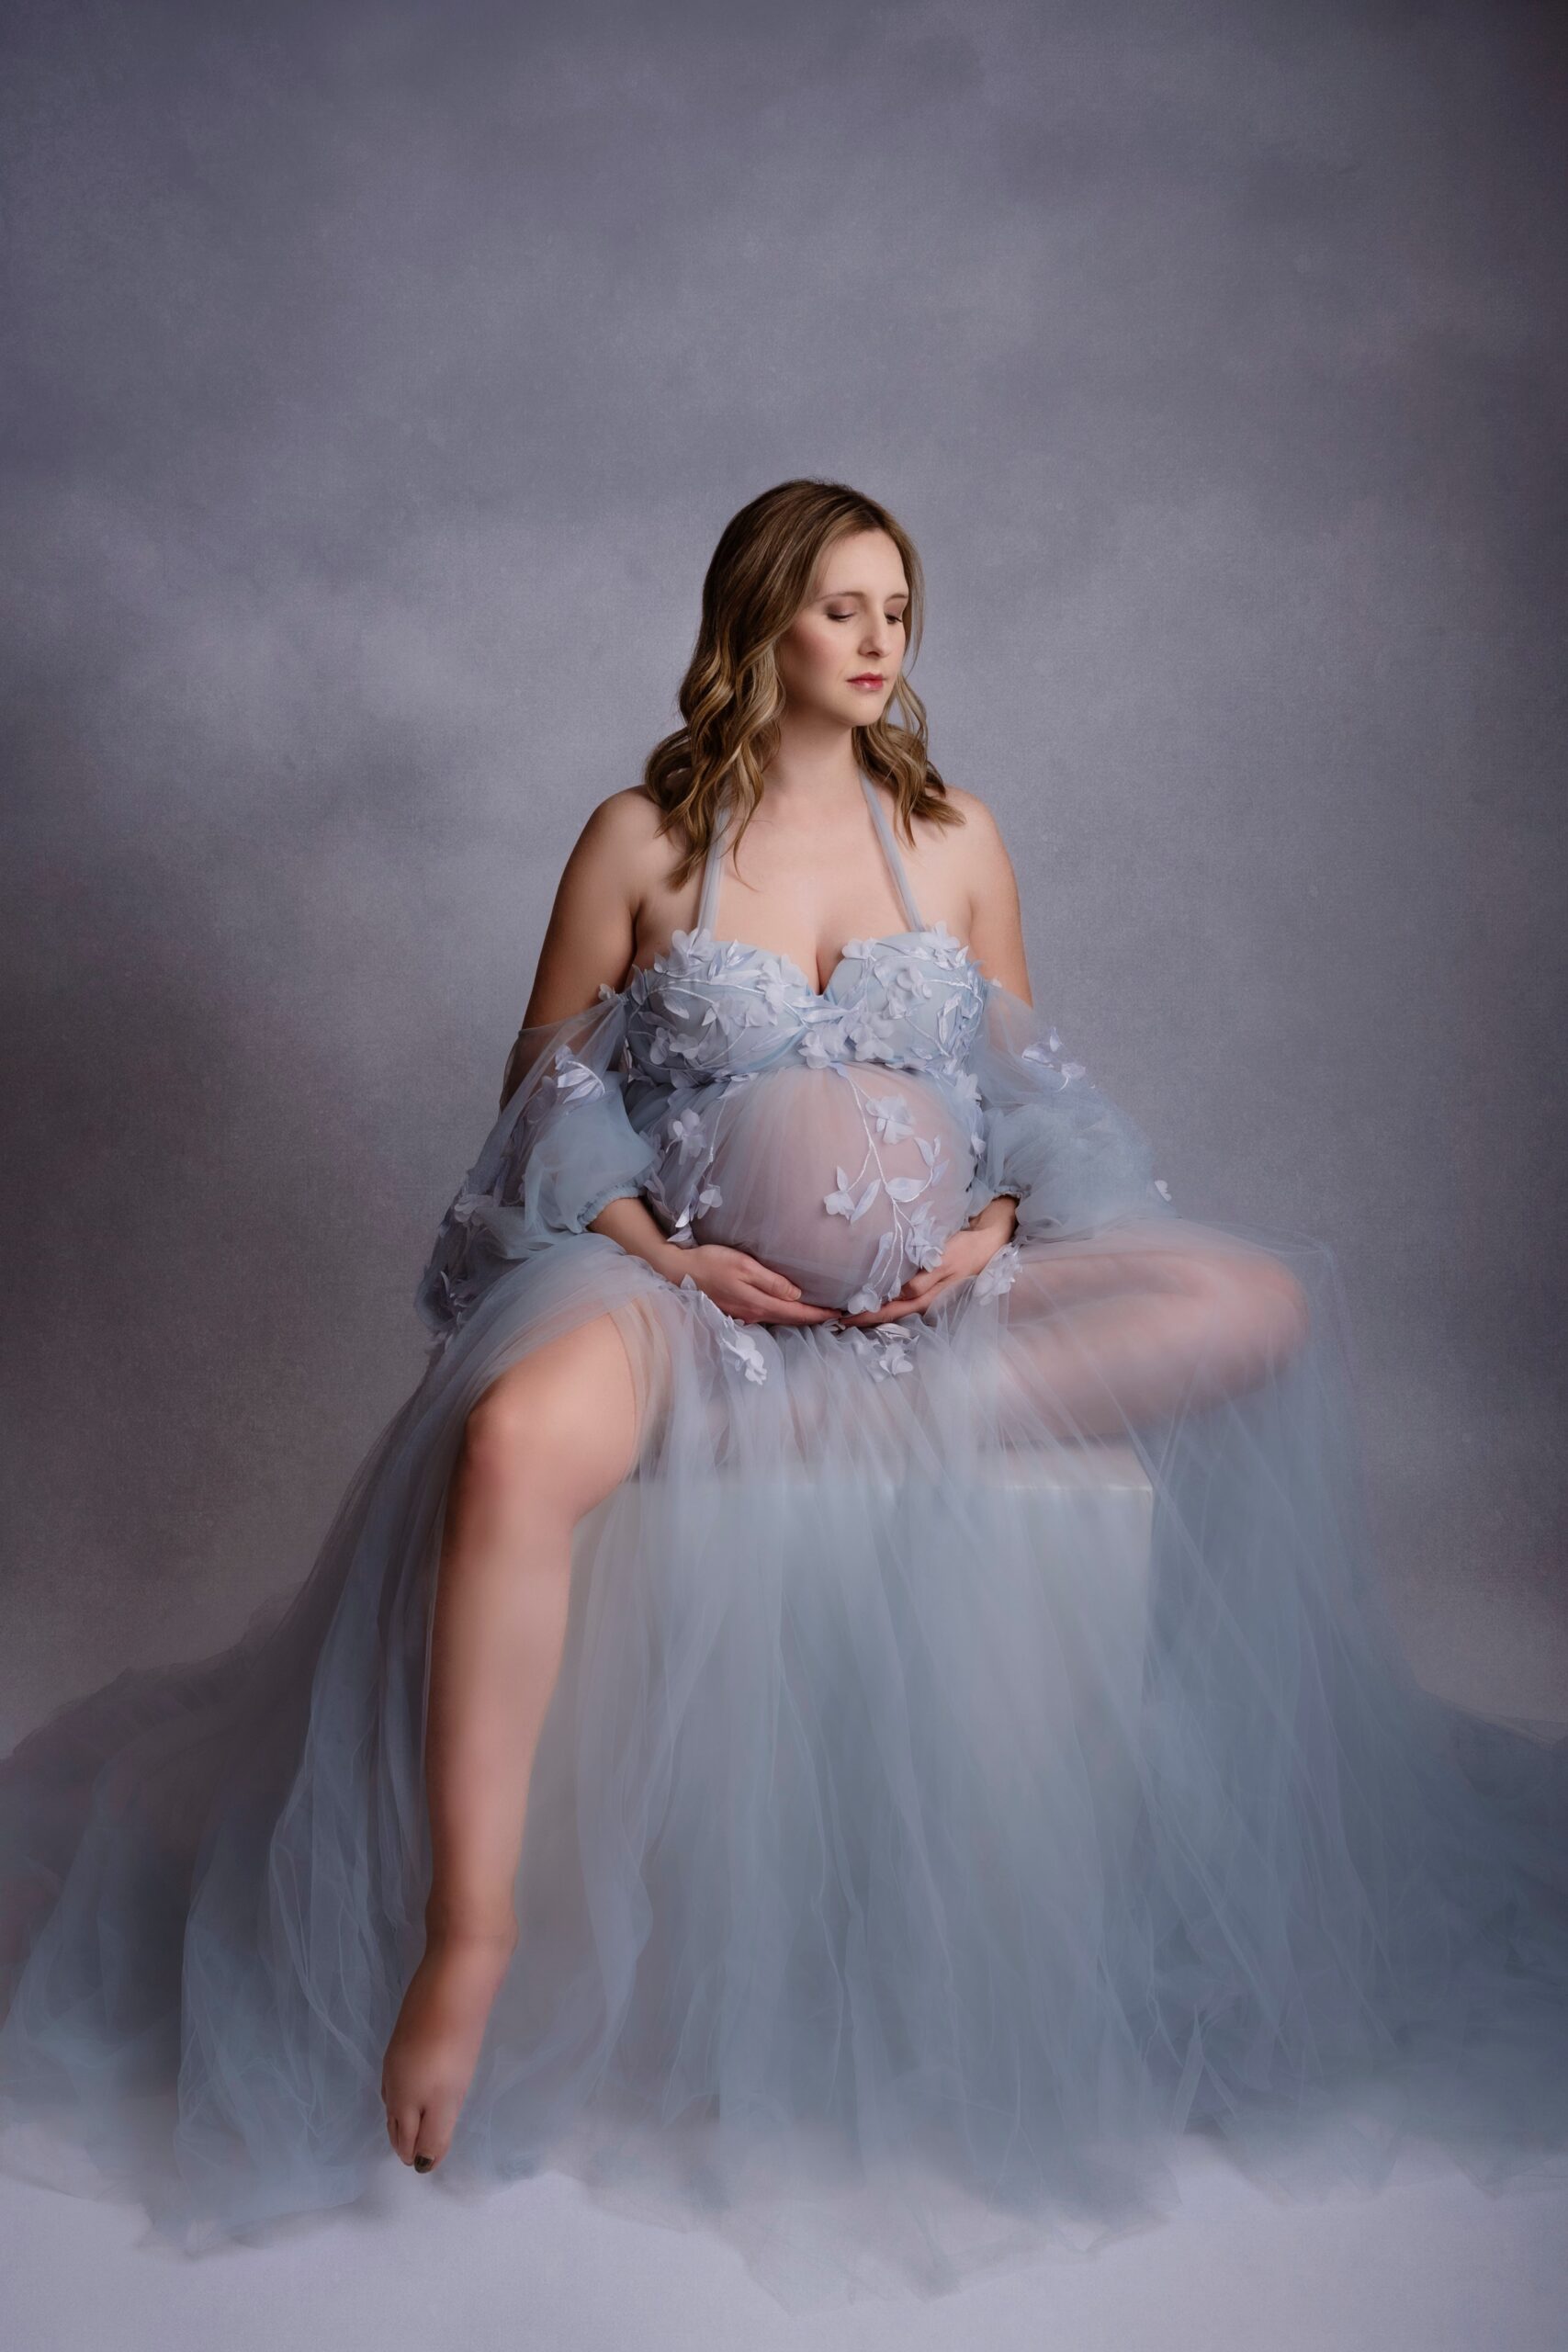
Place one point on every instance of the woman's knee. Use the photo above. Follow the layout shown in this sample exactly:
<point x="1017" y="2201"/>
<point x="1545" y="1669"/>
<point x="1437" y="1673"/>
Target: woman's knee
<point x="1262" y="1294"/>
<point x="556" y="1425"/>
<point x="502" y="1438"/>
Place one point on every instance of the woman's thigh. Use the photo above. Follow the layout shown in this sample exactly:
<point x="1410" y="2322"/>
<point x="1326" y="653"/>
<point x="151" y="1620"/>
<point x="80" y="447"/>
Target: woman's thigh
<point x="1173" y="1258"/>
<point x="570" y="1421"/>
<point x="1145" y="1317"/>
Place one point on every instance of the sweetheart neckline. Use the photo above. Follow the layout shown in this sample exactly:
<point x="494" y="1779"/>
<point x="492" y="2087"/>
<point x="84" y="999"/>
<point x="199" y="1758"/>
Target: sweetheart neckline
<point x="938" y="932"/>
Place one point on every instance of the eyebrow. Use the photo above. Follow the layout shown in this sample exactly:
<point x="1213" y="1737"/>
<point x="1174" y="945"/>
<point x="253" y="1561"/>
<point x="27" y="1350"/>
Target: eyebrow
<point x="893" y="594"/>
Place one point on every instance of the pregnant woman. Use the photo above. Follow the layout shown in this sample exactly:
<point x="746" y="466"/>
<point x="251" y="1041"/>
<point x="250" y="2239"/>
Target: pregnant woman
<point x="739" y="1741"/>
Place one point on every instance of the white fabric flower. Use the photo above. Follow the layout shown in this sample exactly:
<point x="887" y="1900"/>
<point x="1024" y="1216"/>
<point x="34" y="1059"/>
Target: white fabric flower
<point x="843" y="1202"/>
<point x="888" y="1350"/>
<point x="687" y="1130"/>
<point x="823" y="1041"/>
<point x="732" y="1338"/>
<point x="897" y="1341"/>
<point x="891" y="1114"/>
<point x="924" y="1243"/>
<point x="574" y="1081"/>
<point x="999" y="1273"/>
<point x="742" y="1345"/>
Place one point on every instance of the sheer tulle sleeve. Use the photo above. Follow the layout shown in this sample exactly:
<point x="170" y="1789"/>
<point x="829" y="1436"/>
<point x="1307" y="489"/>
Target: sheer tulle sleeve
<point x="1069" y="1156"/>
<point x="560" y="1148"/>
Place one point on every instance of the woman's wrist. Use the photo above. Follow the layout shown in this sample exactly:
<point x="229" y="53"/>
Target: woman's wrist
<point x="669" y="1257"/>
<point x="628" y="1220"/>
<point x="1000" y="1216"/>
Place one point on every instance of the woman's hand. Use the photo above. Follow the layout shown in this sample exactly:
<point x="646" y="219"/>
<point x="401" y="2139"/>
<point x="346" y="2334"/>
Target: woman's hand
<point x="972" y="1246"/>
<point x="741" y="1284"/>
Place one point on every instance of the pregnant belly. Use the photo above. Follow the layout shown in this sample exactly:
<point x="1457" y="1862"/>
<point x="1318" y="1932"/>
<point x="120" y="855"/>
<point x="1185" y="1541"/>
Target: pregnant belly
<point x="847" y="1178"/>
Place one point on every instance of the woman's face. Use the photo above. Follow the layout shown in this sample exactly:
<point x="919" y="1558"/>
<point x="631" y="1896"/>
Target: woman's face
<point x="842" y="654"/>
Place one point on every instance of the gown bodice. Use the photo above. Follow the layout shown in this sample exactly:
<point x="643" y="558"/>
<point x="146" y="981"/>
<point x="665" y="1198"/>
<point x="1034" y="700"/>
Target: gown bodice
<point x="717" y="1008"/>
<point x="779" y="1123"/>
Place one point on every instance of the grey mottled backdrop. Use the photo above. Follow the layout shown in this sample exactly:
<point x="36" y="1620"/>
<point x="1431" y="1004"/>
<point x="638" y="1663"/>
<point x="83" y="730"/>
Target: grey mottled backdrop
<point x="382" y="376"/>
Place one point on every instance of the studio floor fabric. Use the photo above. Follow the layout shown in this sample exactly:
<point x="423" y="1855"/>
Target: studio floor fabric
<point x="979" y="1755"/>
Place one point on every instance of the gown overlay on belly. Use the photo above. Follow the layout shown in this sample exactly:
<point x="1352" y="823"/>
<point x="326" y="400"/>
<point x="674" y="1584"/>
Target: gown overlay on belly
<point x="979" y="1753"/>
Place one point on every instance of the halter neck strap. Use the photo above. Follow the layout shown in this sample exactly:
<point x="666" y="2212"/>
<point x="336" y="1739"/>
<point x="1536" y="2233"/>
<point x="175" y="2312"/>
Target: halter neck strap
<point x="890" y="848"/>
<point x="716" y="850"/>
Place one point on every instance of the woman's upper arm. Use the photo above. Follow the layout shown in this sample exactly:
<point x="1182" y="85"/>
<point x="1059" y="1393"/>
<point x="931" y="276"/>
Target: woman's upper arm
<point x="996" y="922"/>
<point x="591" y="934"/>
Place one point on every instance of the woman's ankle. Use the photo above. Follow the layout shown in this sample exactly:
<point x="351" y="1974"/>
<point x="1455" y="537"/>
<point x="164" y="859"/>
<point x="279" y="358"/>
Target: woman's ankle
<point x="450" y="1922"/>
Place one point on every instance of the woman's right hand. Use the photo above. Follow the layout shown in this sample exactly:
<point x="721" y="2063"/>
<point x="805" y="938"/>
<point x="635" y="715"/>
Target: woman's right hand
<point x="742" y="1286"/>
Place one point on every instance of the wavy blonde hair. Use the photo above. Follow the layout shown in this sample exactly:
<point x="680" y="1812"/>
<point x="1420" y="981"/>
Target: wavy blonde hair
<point x="760" y="574"/>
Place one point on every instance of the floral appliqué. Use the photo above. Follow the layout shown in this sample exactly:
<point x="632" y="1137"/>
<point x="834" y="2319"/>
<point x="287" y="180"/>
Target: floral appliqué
<point x="888" y="1350"/>
<point x="1065" y="1071"/>
<point x="573" y="1080"/>
<point x="1000" y="1272"/>
<point x="735" y="1341"/>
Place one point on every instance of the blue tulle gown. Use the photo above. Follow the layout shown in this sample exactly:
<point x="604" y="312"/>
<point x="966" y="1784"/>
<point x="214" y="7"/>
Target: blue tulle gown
<point x="961" y="1778"/>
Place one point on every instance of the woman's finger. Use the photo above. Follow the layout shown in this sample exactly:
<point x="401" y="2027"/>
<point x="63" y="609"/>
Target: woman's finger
<point x="759" y="1307"/>
<point x="895" y="1308"/>
<point x="766" y="1278"/>
<point x="918" y="1284"/>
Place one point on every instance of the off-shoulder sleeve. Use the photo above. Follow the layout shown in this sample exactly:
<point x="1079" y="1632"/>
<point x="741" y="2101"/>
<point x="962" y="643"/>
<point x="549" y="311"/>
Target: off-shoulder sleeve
<point x="1070" y="1157"/>
<point x="561" y="1147"/>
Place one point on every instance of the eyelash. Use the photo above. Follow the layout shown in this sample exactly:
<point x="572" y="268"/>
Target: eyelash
<point x="896" y="618"/>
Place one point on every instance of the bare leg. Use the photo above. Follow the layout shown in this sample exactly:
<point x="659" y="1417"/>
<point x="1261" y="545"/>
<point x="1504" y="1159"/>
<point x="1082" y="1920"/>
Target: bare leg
<point x="546" y="1442"/>
<point x="1107" y="1334"/>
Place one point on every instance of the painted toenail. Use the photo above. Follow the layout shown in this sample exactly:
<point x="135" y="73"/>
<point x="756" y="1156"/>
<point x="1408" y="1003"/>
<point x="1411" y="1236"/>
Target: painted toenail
<point x="422" y="2164"/>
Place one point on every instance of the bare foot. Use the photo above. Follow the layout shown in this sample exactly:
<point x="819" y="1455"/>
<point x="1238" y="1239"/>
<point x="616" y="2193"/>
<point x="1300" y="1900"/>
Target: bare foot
<point x="435" y="2044"/>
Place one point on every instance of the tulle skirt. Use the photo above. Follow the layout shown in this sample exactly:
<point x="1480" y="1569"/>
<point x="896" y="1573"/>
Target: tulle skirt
<point x="942" y="1807"/>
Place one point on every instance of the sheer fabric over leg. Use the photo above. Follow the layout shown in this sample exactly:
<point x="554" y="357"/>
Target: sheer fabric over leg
<point x="1112" y="1331"/>
<point x="213" y="1872"/>
<point x="950" y="1801"/>
<point x="978" y="1755"/>
<point x="548" y="1439"/>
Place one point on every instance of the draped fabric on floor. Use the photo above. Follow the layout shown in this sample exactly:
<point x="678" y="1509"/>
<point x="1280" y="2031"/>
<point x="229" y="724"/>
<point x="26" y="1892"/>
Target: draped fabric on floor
<point x="942" y="1805"/>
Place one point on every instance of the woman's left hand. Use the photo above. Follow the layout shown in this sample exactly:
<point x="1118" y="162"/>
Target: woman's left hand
<point x="972" y="1246"/>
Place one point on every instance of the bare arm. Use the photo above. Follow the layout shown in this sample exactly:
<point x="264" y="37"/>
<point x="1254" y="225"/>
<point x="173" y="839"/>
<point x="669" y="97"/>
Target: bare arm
<point x="996" y="924"/>
<point x="995" y="941"/>
<point x="591" y="934"/>
<point x="589" y="942"/>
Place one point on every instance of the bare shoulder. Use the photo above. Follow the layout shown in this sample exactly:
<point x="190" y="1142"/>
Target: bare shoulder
<point x="979" y="832"/>
<point x="972" y="855"/>
<point x="624" y="824"/>
<point x="591" y="935"/>
<point x="620" y="847"/>
<point x="982" y="881"/>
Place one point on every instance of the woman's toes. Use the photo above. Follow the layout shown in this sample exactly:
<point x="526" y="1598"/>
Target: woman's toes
<point x="435" y="2043"/>
<point x="434" y="2136"/>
